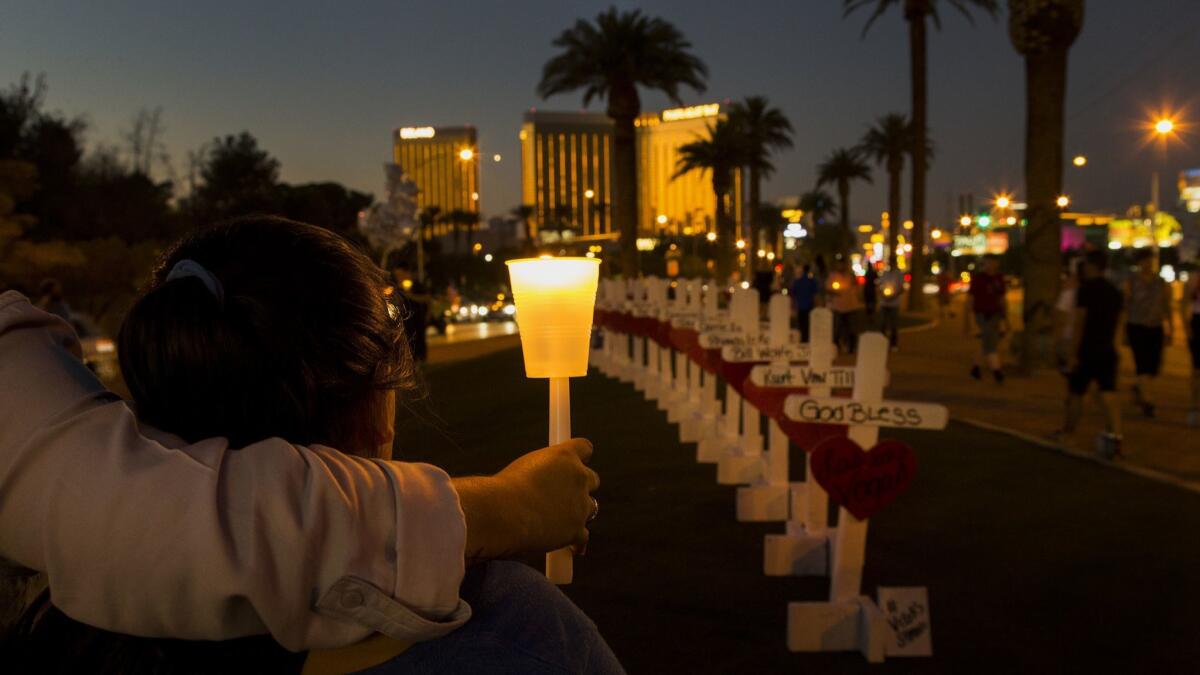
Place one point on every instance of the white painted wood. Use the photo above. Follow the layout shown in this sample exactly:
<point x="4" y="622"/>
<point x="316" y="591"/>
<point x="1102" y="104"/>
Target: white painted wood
<point x="854" y="624"/>
<point x="850" y="542"/>
<point x="892" y="414"/>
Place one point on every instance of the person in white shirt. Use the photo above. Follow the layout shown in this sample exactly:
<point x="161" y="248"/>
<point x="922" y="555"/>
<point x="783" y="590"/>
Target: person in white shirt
<point x="891" y="289"/>
<point x="176" y="534"/>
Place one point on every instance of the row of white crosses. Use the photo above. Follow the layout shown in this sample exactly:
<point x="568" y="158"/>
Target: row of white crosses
<point x="733" y="439"/>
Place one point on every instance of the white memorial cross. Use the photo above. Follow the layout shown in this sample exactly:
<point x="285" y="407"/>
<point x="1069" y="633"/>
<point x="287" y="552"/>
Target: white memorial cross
<point x="681" y="401"/>
<point x="639" y="309"/>
<point x="743" y="464"/>
<point x="768" y="499"/>
<point x="849" y="621"/>
<point x="700" y="420"/>
<point x="656" y="298"/>
<point x="741" y="328"/>
<point x="676" y="311"/>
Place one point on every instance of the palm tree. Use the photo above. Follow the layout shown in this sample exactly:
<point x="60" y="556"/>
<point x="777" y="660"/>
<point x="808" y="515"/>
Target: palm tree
<point x="764" y="129"/>
<point x="1042" y="32"/>
<point x="915" y="12"/>
<point x="523" y="213"/>
<point x="429" y="215"/>
<point x="839" y="168"/>
<point x="887" y="143"/>
<point x="608" y="59"/>
<point x="563" y="219"/>
<point x="720" y="154"/>
<point x="819" y="206"/>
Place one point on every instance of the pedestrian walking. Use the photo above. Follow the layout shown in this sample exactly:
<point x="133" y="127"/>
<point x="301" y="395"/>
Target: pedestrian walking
<point x="844" y="300"/>
<point x="1148" y="325"/>
<point x="1064" y="316"/>
<point x="870" y="293"/>
<point x="891" y="289"/>
<point x="804" y="292"/>
<point x="943" y="293"/>
<point x="987" y="303"/>
<point x="1094" y="357"/>
<point x="1189" y="312"/>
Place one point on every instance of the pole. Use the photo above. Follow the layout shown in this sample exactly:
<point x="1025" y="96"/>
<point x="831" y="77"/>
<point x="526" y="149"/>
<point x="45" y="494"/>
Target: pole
<point x="560" y="564"/>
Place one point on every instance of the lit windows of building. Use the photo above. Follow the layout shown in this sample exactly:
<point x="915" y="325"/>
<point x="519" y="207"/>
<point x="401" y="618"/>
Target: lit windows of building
<point x="671" y="205"/>
<point x="566" y="161"/>
<point x="443" y="162"/>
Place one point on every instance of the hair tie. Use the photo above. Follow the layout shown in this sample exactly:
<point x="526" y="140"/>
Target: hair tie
<point x="190" y="268"/>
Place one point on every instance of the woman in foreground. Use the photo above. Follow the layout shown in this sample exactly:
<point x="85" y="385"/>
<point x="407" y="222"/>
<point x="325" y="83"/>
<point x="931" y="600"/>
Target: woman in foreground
<point x="265" y="327"/>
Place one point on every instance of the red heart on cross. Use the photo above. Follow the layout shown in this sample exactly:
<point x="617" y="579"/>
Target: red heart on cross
<point x="859" y="481"/>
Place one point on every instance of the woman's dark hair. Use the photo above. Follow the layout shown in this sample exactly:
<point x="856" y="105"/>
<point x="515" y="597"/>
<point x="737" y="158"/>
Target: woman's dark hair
<point x="300" y="343"/>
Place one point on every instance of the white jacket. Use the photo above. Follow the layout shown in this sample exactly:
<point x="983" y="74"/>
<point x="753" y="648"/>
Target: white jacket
<point x="141" y="533"/>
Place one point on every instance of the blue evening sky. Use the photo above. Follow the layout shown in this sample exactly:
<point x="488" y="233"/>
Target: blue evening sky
<point x="322" y="84"/>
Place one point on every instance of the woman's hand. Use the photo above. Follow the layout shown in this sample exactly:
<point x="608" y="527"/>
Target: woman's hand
<point x="540" y="502"/>
<point x="553" y="488"/>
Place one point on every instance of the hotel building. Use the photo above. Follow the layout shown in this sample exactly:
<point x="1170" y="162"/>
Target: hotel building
<point x="444" y="163"/>
<point x="685" y="205"/>
<point x="566" y="169"/>
<point x="566" y="161"/>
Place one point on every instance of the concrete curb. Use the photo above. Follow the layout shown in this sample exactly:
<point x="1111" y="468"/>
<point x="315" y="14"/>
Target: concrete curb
<point x="1150" y="474"/>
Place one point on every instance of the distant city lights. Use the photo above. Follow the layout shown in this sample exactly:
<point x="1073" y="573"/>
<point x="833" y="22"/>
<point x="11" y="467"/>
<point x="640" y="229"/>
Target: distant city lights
<point x="1079" y="160"/>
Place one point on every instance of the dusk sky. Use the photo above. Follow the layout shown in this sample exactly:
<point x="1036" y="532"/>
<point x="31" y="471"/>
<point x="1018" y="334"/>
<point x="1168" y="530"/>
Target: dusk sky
<point x="321" y="85"/>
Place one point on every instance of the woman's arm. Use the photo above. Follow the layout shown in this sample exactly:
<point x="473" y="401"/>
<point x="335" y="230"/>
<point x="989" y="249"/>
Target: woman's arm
<point x="154" y="537"/>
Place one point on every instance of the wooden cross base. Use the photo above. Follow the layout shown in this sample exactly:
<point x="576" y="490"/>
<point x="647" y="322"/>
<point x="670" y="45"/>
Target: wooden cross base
<point x="850" y="625"/>
<point x="796" y="555"/>
<point x="722" y="442"/>
<point x="742" y="466"/>
<point x="763" y="503"/>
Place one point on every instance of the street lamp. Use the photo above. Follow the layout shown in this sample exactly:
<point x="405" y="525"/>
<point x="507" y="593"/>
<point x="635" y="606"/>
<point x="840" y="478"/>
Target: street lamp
<point x="466" y="154"/>
<point x="1063" y="201"/>
<point x="1164" y="126"/>
<point x="1079" y="160"/>
<point x="1003" y="201"/>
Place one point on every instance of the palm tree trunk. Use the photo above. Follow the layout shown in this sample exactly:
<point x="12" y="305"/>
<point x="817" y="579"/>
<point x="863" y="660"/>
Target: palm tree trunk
<point x="916" y="37"/>
<point x="1045" y="90"/>
<point x="725" y="230"/>
<point x="843" y="188"/>
<point x="624" y="181"/>
<point x="895" y="220"/>
<point x="755" y="195"/>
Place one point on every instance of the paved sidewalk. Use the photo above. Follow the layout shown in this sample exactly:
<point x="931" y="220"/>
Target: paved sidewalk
<point x="933" y="364"/>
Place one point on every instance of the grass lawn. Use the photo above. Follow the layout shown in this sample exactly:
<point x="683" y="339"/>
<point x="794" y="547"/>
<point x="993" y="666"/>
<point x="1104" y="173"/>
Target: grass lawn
<point x="1035" y="562"/>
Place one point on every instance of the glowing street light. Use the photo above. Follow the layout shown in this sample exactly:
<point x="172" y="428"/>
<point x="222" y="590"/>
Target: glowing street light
<point x="466" y="154"/>
<point x="741" y="243"/>
<point x="965" y="221"/>
<point x="1003" y="202"/>
<point x="1063" y="201"/>
<point x="496" y="157"/>
<point x="589" y="193"/>
<point x="661" y="219"/>
<point x="1079" y="160"/>
<point x="1164" y="126"/>
<point x="711" y="236"/>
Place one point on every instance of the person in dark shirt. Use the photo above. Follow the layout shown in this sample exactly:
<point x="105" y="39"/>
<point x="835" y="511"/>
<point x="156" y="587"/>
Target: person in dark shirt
<point x="1093" y="357"/>
<point x="986" y="302"/>
<point x="870" y="292"/>
<point x="804" y="292"/>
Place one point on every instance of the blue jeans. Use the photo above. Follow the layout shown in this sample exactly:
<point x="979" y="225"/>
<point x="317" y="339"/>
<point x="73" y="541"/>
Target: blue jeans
<point x="521" y="624"/>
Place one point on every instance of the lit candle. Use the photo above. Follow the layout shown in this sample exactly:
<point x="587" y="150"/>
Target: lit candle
<point x="555" y="299"/>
